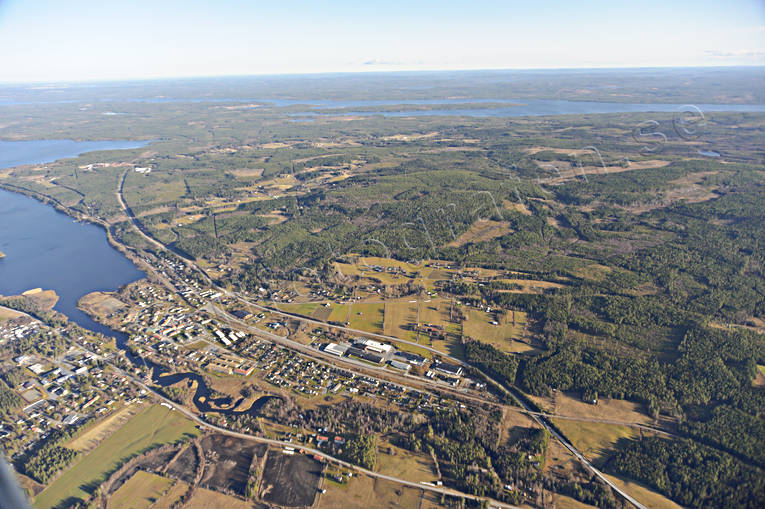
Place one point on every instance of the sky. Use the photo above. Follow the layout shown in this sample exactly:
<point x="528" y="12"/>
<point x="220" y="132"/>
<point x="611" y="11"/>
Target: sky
<point x="82" y="40"/>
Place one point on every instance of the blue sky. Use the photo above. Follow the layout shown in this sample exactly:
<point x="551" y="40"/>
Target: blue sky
<point x="77" y="40"/>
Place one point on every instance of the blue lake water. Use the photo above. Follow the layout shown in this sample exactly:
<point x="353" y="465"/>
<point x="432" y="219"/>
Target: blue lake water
<point x="48" y="249"/>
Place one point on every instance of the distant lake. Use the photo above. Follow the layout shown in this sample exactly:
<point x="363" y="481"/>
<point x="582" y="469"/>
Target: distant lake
<point x="525" y="107"/>
<point x="16" y="153"/>
<point x="48" y="249"/>
<point x="522" y="108"/>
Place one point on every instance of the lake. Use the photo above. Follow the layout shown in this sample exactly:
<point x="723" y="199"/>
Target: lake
<point x="48" y="249"/>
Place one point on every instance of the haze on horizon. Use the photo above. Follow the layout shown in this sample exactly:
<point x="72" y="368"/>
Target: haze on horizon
<point x="86" y="40"/>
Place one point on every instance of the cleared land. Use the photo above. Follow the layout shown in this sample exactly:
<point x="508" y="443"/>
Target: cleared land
<point x="594" y="439"/>
<point x="290" y="480"/>
<point x="155" y="426"/>
<point x="91" y="438"/>
<point x="394" y="461"/>
<point x="140" y="491"/>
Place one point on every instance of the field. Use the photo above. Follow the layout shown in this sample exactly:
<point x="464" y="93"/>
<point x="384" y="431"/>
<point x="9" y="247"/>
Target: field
<point x="91" y="437"/>
<point x="7" y="314"/>
<point x="154" y="426"/>
<point x="399" y="317"/>
<point x="367" y="317"/>
<point x="594" y="439"/>
<point x="645" y="496"/>
<point x="207" y="499"/>
<point x="503" y="336"/>
<point x="140" y="491"/>
<point x="362" y="492"/>
<point x="290" y="480"/>
<point x="405" y="464"/>
<point x="231" y="468"/>
<point x="100" y="303"/>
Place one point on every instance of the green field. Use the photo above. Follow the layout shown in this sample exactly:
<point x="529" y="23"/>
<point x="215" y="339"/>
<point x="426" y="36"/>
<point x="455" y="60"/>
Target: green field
<point x="155" y="426"/>
<point x="140" y="491"/>
<point x="370" y="319"/>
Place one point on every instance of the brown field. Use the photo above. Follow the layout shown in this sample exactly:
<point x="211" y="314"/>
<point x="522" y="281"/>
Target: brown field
<point x="140" y="491"/>
<point x="399" y="317"/>
<point x="564" y="502"/>
<point x="170" y="498"/>
<point x="363" y="492"/>
<point x="88" y="440"/>
<point x="405" y="464"/>
<point x="594" y="440"/>
<point x="207" y="499"/>
<point x="505" y="336"/>
<point x="44" y="299"/>
<point x="570" y="404"/>
<point x="644" y="495"/>
<point x="100" y="303"/>
<point x="480" y="231"/>
<point x="8" y="314"/>
<point x="247" y="172"/>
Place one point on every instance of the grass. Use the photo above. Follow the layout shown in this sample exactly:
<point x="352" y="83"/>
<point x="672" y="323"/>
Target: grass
<point x="204" y="499"/>
<point x="89" y="439"/>
<point x="154" y="426"/>
<point x="371" y="318"/>
<point x="405" y="464"/>
<point x="644" y="495"/>
<point x="502" y="336"/>
<point x="362" y="492"/>
<point x="399" y="317"/>
<point x="594" y="439"/>
<point x="761" y="368"/>
<point x="140" y="491"/>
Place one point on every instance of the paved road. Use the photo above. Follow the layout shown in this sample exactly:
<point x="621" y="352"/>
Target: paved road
<point x="279" y="443"/>
<point x="541" y="420"/>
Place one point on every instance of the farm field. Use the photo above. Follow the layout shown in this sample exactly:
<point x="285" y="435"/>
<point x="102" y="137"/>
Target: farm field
<point x="644" y="495"/>
<point x="90" y="438"/>
<point x="502" y="336"/>
<point x="405" y="464"/>
<point x="140" y="491"/>
<point x="154" y="426"/>
<point x="594" y="440"/>
<point x="363" y="492"/>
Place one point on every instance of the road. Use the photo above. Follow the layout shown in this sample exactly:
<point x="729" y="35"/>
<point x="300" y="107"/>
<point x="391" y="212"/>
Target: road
<point x="278" y="443"/>
<point x="541" y="420"/>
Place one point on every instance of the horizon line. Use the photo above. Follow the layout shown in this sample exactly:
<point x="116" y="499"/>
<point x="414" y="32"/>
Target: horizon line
<point x="359" y="72"/>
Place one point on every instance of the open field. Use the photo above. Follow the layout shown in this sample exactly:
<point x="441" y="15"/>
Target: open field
<point x="503" y="336"/>
<point x="367" y="317"/>
<point x="564" y="502"/>
<point x="570" y="404"/>
<point x="400" y="316"/>
<point x="100" y="303"/>
<point x="140" y="491"/>
<point x="644" y="495"/>
<point x="154" y="426"/>
<point x="8" y="314"/>
<point x="230" y="470"/>
<point x="207" y="499"/>
<point x="362" y="492"/>
<point x="394" y="461"/>
<point x="91" y="438"/>
<point x="594" y="439"/>
<point x="290" y="480"/>
<point x="482" y="230"/>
